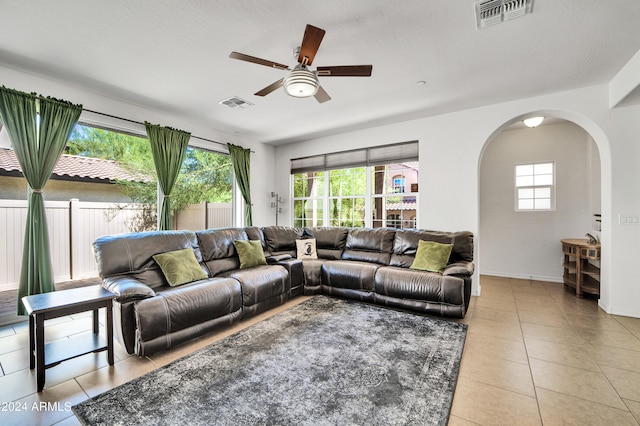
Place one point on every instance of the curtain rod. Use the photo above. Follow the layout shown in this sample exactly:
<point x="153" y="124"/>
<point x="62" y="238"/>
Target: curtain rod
<point x="142" y="124"/>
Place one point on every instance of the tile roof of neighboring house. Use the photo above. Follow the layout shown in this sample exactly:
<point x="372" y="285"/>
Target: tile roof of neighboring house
<point x="411" y="205"/>
<point x="73" y="167"/>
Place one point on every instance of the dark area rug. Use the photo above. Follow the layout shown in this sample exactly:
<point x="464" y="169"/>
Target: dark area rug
<point x="324" y="362"/>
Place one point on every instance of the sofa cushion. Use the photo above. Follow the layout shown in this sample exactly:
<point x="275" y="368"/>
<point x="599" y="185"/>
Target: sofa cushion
<point x="330" y="242"/>
<point x="250" y="253"/>
<point x="132" y="254"/>
<point x="306" y="249"/>
<point x="261" y="283"/>
<point x="402" y="283"/>
<point x="281" y="238"/>
<point x="349" y="274"/>
<point x="369" y="245"/>
<point x="179" y="267"/>
<point x="406" y="241"/>
<point x="431" y="256"/>
<point x="219" y="243"/>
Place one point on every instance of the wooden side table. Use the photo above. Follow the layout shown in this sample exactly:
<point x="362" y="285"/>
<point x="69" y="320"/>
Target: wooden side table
<point x="580" y="269"/>
<point x="56" y="304"/>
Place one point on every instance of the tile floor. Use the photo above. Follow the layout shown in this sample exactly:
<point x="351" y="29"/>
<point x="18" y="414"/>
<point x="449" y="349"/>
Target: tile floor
<point x="535" y="354"/>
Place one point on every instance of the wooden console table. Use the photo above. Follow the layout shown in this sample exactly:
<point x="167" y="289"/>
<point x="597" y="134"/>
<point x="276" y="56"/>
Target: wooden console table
<point x="581" y="266"/>
<point x="56" y="304"/>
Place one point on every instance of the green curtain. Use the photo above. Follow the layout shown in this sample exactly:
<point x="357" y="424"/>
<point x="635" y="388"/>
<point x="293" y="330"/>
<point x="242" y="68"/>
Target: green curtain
<point x="168" y="147"/>
<point x="38" y="129"/>
<point x="241" y="160"/>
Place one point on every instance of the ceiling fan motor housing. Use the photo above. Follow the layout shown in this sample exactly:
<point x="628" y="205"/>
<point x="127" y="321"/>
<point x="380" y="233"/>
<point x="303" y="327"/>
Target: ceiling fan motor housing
<point x="301" y="82"/>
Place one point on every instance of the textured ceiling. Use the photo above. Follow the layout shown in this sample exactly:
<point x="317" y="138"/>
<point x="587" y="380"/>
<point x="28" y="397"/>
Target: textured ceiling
<point x="172" y="55"/>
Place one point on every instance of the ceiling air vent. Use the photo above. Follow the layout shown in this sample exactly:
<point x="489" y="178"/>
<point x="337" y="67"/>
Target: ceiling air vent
<point x="236" y="102"/>
<point x="492" y="12"/>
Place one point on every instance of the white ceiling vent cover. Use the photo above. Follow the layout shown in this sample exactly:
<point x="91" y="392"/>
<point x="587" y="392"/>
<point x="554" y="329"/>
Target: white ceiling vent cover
<point x="492" y="12"/>
<point x="236" y="102"/>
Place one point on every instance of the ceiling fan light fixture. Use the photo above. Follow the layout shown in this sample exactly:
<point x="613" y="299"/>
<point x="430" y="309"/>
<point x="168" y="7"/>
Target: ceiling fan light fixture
<point x="301" y="83"/>
<point x="533" y="121"/>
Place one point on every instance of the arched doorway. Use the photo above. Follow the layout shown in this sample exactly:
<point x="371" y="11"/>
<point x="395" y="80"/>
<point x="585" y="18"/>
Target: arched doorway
<point x="525" y="244"/>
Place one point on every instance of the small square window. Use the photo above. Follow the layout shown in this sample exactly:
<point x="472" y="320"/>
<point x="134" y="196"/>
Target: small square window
<point x="535" y="186"/>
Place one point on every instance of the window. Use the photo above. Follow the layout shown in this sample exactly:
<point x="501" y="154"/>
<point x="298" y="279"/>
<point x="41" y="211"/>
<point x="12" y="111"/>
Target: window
<point x="398" y="184"/>
<point x="364" y="191"/>
<point x="534" y="185"/>
<point x="202" y="194"/>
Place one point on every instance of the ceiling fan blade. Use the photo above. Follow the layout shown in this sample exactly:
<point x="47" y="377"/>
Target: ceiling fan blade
<point x="259" y="61"/>
<point x="310" y="44"/>
<point x="322" y="96"/>
<point x="345" y="71"/>
<point x="270" y="88"/>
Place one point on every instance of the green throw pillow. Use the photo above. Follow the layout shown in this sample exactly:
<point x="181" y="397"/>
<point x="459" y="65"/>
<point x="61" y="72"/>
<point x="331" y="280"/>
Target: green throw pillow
<point x="180" y="266"/>
<point x="250" y="253"/>
<point x="431" y="256"/>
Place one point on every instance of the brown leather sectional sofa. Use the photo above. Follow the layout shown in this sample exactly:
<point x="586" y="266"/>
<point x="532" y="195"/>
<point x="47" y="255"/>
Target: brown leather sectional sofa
<point x="370" y="265"/>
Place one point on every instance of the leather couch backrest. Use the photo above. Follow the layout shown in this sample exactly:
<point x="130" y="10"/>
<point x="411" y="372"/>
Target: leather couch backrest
<point x="330" y="242"/>
<point x="255" y="234"/>
<point x="369" y="245"/>
<point x="282" y="239"/>
<point x="218" y="249"/>
<point x="406" y="243"/>
<point x="131" y="254"/>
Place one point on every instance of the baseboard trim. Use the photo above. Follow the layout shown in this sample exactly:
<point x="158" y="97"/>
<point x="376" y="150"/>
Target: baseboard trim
<point x="523" y="277"/>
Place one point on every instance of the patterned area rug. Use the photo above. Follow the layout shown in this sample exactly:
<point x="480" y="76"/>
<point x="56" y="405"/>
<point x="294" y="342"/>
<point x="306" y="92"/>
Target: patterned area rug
<point x="326" y="361"/>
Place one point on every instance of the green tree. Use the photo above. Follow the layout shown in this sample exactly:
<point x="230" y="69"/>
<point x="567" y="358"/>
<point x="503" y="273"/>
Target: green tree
<point x="205" y="176"/>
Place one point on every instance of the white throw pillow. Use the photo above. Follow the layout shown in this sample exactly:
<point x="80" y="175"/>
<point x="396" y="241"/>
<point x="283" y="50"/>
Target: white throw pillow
<point x="307" y="249"/>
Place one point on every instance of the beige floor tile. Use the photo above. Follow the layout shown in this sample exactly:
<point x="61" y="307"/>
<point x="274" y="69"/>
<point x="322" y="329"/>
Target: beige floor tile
<point x="561" y="353"/>
<point x="488" y="302"/>
<point x="495" y="329"/>
<point x="543" y="318"/>
<point x="458" y="421"/>
<point x="14" y="361"/>
<point x="538" y="305"/>
<point x="75" y="367"/>
<point x="49" y="406"/>
<point x="509" y="375"/>
<point x="69" y="421"/>
<point x="628" y="322"/>
<point x="503" y="294"/>
<point x="626" y="383"/>
<point x="97" y="381"/>
<point x="561" y="409"/>
<point x="616" y="339"/>
<point x="17" y="385"/>
<point x="496" y="314"/>
<point x="600" y="322"/>
<point x="575" y="382"/>
<point x="624" y="359"/>
<point x="484" y="345"/>
<point x="634" y="407"/>
<point x="550" y="333"/>
<point x="488" y="405"/>
<point x="14" y="342"/>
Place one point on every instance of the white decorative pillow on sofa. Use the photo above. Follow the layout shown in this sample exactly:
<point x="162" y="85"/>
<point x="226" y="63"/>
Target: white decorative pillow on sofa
<point x="307" y="249"/>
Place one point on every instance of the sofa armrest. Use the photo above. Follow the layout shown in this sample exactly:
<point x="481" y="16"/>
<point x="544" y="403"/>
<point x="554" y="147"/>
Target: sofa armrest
<point x="127" y="289"/>
<point x="464" y="269"/>
<point x="275" y="260"/>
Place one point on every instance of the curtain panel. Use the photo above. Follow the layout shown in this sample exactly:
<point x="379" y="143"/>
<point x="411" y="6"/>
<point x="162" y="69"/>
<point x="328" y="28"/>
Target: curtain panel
<point x="38" y="129"/>
<point x="241" y="160"/>
<point x="168" y="147"/>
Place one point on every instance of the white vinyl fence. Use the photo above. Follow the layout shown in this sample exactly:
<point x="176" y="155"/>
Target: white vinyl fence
<point x="73" y="227"/>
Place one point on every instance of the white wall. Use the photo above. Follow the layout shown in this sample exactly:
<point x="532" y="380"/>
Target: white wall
<point x="450" y="151"/>
<point x="261" y="160"/>
<point x="527" y="244"/>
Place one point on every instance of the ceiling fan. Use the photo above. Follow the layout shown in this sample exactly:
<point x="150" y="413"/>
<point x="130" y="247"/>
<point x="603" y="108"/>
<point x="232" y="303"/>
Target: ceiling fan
<point x="301" y="82"/>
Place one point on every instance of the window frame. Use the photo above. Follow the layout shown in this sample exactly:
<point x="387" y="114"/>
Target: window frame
<point x="535" y="187"/>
